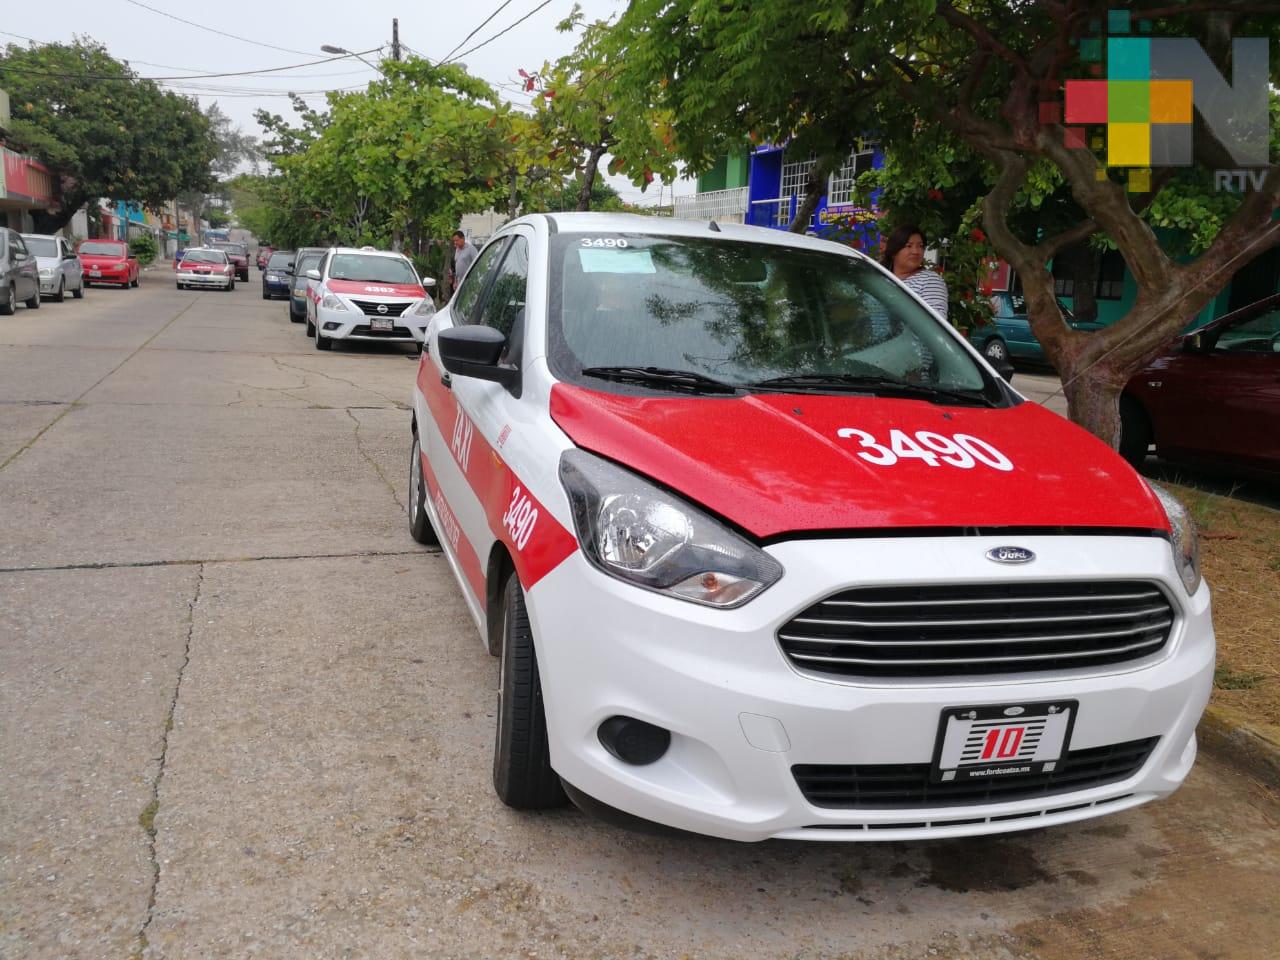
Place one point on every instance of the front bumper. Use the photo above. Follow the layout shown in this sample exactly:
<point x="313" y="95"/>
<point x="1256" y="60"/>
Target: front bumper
<point x="49" y="285"/>
<point x="741" y="715"/>
<point x="107" y="276"/>
<point x="276" y="287"/>
<point x="352" y="324"/>
<point x="217" y="281"/>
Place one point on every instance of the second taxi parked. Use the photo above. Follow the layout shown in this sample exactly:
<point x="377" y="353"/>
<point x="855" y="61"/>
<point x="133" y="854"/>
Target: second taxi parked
<point x="367" y="294"/>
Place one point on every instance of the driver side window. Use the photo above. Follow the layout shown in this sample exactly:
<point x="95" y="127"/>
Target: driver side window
<point x="477" y="278"/>
<point x="1258" y="335"/>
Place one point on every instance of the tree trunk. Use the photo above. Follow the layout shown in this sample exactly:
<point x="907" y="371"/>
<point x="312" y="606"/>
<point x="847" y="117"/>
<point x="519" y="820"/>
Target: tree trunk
<point x="1093" y="393"/>
<point x="814" y="188"/>
<point x="589" y="176"/>
<point x="1080" y="262"/>
<point x="51" y="221"/>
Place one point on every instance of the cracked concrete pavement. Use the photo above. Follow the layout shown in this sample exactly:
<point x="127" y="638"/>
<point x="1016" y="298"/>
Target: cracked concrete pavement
<point x="242" y="714"/>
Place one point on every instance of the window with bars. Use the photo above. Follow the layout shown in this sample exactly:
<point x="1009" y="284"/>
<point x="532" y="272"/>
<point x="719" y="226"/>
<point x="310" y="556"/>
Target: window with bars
<point x="795" y="174"/>
<point x="840" y="186"/>
<point x="1108" y="282"/>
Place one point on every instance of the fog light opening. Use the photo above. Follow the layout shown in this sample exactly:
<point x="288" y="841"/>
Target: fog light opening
<point x="634" y="741"/>
<point x="332" y="326"/>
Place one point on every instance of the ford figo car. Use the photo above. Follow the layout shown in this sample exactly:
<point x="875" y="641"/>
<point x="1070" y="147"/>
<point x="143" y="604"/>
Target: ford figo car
<point x="767" y="550"/>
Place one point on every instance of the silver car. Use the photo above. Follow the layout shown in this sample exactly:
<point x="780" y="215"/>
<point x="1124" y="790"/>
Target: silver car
<point x="19" y="275"/>
<point x="60" y="269"/>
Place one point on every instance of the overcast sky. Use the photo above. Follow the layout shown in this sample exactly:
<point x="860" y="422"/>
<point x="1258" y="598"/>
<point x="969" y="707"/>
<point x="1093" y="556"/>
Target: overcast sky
<point x="278" y="33"/>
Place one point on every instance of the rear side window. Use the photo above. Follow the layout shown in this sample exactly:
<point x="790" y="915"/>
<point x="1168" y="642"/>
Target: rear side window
<point x="506" y="298"/>
<point x="477" y="278"/>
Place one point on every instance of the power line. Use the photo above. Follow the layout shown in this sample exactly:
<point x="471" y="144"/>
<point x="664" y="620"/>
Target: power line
<point x="503" y="6"/>
<point x="201" y="26"/>
<point x="190" y="76"/>
<point x="485" y="43"/>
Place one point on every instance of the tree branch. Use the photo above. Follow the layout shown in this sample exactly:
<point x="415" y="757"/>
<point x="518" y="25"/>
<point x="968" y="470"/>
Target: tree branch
<point x="984" y="37"/>
<point x="1046" y="250"/>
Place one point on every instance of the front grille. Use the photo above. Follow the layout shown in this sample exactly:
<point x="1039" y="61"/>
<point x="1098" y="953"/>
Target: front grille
<point x="978" y="629"/>
<point x="364" y="330"/>
<point x="902" y="786"/>
<point x="370" y="308"/>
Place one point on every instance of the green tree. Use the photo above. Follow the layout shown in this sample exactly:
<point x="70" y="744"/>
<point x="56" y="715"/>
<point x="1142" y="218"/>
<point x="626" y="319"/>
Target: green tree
<point x="812" y="70"/>
<point x="143" y="247"/>
<point x="101" y="130"/>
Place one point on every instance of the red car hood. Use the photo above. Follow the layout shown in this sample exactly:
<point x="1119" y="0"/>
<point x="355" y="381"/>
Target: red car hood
<point x="776" y="464"/>
<point x="361" y="288"/>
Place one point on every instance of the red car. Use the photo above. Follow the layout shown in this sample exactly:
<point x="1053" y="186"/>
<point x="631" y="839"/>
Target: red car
<point x="264" y="254"/>
<point x="108" y="261"/>
<point x="237" y="253"/>
<point x="1213" y="398"/>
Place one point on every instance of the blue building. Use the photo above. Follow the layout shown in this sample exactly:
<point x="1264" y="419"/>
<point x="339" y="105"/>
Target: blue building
<point x="776" y="183"/>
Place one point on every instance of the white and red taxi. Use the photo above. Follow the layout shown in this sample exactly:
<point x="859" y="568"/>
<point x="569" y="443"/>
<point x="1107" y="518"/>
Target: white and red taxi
<point x="205" y="267"/>
<point x="367" y="294"/>
<point x="767" y="550"/>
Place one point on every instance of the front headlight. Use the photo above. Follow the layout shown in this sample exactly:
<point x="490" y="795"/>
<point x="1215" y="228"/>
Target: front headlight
<point x="1183" y="539"/>
<point x="331" y="302"/>
<point x="46" y="271"/>
<point x="637" y="532"/>
<point x="425" y="309"/>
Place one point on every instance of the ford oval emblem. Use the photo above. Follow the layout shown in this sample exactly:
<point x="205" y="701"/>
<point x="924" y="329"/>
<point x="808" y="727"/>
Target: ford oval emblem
<point x="1010" y="555"/>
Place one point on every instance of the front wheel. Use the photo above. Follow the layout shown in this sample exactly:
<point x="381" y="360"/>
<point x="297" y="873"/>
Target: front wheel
<point x="34" y="302"/>
<point x="322" y="342"/>
<point x="62" y="292"/>
<point x="996" y="351"/>
<point x="135" y="281"/>
<point x="419" y="524"/>
<point x="522" y="774"/>
<point x="78" y="292"/>
<point x="10" y="305"/>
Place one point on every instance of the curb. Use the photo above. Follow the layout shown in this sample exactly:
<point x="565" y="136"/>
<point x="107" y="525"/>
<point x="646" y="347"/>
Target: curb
<point x="1250" y="746"/>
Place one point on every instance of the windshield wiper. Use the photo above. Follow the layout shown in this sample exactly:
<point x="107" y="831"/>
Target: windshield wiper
<point x="875" y="385"/>
<point x="662" y="377"/>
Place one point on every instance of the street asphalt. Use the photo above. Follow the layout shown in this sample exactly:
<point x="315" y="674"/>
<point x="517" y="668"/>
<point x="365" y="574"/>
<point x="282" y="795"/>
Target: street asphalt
<point x="242" y="714"/>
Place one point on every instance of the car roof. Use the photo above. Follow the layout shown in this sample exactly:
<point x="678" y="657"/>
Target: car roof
<point x="635" y="223"/>
<point x="390" y="254"/>
<point x="41" y="236"/>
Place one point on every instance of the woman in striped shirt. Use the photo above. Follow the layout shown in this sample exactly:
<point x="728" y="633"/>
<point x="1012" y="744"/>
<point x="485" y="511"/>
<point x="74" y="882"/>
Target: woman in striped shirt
<point x="904" y="255"/>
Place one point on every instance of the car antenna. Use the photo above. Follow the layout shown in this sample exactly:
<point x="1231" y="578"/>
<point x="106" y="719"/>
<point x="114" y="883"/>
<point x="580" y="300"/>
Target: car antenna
<point x="715" y="227"/>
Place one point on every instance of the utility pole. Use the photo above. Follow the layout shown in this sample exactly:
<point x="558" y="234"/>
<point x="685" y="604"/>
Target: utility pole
<point x="395" y="39"/>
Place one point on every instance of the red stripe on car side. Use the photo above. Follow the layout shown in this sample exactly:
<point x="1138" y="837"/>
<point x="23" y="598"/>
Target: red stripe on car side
<point x="452" y="531"/>
<point x="537" y="542"/>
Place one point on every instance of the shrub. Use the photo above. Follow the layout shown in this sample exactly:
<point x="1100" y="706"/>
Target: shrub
<point x="143" y="247"/>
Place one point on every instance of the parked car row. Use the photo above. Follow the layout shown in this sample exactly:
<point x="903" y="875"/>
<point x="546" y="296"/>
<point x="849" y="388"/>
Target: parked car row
<point x="36" y="267"/>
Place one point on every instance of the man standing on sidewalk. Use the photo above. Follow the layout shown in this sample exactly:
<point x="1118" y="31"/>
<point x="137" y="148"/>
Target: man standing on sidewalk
<point x="464" y="255"/>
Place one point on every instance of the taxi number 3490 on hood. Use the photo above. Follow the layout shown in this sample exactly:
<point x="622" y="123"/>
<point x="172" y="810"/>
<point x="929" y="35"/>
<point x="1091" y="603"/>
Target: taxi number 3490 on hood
<point x="960" y="450"/>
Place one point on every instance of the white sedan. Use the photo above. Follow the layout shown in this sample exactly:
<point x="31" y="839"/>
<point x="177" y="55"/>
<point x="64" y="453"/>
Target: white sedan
<point x="367" y="294"/>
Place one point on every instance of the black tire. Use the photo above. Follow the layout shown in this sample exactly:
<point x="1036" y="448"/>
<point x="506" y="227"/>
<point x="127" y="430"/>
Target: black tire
<point x="231" y="287"/>
<point x="996" y="351"/>
<point x="522" y="774"/>
<point x="322" y="342"/>
<point x="293" y="317"/>
<point x="78" y="292"/>
<point x="10" y="305"/>
<point x="265" y="295"/>
<point x="178" y="285"/>
<point x="135" y="281"/>
<point x="34" y="302"/>
<point x="1135" y="432"/>
<point x="419" y="523"/>
<point x="311" y="328"/>
<point x="62" y="291"/>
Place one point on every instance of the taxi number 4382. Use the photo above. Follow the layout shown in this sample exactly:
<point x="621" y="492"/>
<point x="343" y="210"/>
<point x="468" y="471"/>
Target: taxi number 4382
<point x="935" y="449"/>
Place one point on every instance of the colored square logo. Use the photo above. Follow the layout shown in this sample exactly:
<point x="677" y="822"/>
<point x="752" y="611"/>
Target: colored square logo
<point x="1128" y="58"/>
<point x="1171" y="145"/>
<point x="1128" y="101"/>
<point x="1170" y="101"/>
<point x="1086" y="101"/>
<point x="1076" y="138"/>
<point x="1091" y="50"/>
<point x="1118" y="21"/>
<point x="1050" y="112"/>
<point x="1128" y="145"/>
<point x="1140" y="181"/>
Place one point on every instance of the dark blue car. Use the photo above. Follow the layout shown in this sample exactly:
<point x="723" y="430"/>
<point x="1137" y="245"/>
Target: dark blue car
<point x="277" y="275"/>
<point x="1008" y="338"/>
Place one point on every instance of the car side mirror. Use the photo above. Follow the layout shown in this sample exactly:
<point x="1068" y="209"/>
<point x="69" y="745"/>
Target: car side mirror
<point x="473" y="351"/>
<point x="69" y="255"/>
<point x="428" y="282"/>
<point x="1196" y="343"/>
<point x="312" y="274"/>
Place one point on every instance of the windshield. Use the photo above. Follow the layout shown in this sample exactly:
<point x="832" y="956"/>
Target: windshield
<point x="279" y="261"/>
<point x="355" y="266"/>
<point x="95" y="248"/>
<point x="204" y="256"/>
<point x="237" y="248"/>
<point x="42" y="246"/>
<point x="744" y="313"/>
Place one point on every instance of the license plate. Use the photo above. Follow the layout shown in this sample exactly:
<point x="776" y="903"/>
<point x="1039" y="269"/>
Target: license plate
<point x="1000" y="741"/>
<point x="95" y="273"/>
<point x="381" y="323"/>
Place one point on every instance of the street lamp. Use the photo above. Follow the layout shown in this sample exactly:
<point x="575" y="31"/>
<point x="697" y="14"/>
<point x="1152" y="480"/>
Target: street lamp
<point x="343" y="51"/>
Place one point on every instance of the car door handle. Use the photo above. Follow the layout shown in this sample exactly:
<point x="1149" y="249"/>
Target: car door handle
<point x="446" y="381"/>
